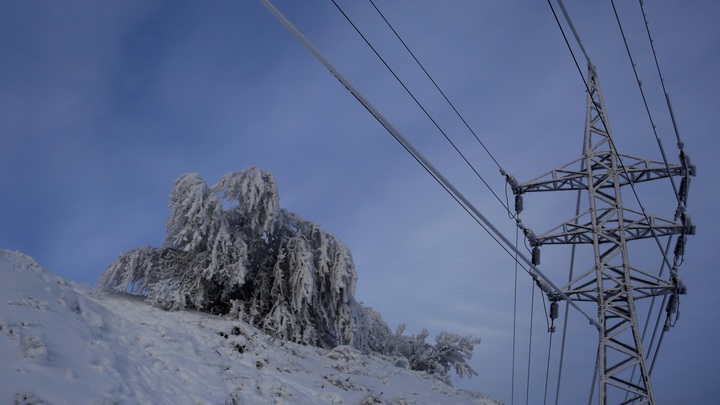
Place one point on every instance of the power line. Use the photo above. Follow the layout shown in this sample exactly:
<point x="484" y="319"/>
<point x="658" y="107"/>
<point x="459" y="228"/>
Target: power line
<point x="662" y="80"/>
<point x="642" y="93"/>
<point x="571" y="272"/>
<point x="594" y="378"/>
<point x="567" y="43"/>
<point x="514" y="338"/>
<point x="681" y="199"/>
<point x="673" y="286"/>
<point x="547" y="368"/>
<point x="540" y="278"/>
<point x="436" y="85"/>
<point x="603" y="118"/>
<point x="572" y="28"/>
<point x="532" y="311"/>
<point x="419" y="104"/>
<point x="577" y="37"/>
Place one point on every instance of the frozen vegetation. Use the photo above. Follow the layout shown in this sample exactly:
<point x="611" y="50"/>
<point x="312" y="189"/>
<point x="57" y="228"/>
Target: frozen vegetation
<point x="244" y="303"/>
<point x="254" y="261"/>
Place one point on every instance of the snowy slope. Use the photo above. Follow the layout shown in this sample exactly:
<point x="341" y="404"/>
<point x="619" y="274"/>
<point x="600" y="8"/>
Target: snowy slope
<point x="59" y="344"/>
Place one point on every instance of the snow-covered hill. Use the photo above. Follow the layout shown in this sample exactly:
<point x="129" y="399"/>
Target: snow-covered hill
<point x="60" y="344"/>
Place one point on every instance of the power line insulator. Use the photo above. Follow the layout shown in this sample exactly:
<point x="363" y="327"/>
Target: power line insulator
<point x="685" y="161"/>
<point x="683" y="188"/>
<point x="518" y="203"/>
<point x="553" y="314"/>
<point x="512" y="181"/>
<point x="672" y="304"/>
<point x="680" y="246"/>
<point x="529" y="234"/>
<point x="536" y="256"/>
<point x="687" y="224"/>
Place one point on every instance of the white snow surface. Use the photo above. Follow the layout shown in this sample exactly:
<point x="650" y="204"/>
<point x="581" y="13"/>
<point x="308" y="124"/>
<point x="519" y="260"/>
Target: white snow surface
<point x="62" y="344"/>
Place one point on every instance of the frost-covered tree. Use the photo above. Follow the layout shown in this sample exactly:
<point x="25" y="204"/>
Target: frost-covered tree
<point x="249" y="258"/>
<point x="290" y="277"/>
<point x="255" y="197"/>
<point x="200" y="262"/>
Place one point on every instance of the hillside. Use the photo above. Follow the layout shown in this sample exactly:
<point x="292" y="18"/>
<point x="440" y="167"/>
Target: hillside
<point x="60" y="344"/>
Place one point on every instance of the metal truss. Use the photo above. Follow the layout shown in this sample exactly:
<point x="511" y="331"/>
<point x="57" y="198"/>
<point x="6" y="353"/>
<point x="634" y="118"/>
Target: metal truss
<point x="612" y="282"/>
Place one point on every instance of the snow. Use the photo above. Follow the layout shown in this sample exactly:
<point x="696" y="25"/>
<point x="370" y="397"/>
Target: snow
<point x="61" y="344"/>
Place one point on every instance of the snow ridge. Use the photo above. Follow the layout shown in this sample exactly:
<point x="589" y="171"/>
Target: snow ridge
<point x="61" y="344"/>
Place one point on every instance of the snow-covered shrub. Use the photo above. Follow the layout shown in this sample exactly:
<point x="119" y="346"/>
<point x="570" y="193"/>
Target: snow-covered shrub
<point x="454" y="351"/>
<point x="249" y="258"/>
<point x="450" y="351"/>
<point x="379" y="337"/>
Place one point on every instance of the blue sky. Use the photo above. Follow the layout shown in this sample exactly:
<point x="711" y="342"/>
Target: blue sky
<point x="103" y="105"/>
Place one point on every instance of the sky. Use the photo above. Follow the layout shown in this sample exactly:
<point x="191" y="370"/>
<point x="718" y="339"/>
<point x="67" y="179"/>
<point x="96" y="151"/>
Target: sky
<point x="103" y="105"/>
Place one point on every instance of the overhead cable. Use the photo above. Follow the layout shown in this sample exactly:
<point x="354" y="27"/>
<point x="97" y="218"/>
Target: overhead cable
<point x="436" y="85"/>
<point x="547" y="368"/>
<point x="662" y="80"/>
<point x="603" y="118"/>
<point x="540" y="278"/>
<point x="421" y="106"/>
<point x="647" y="108"/>
<point x="566" y="315"/>
<point x="567" y="43"/>
<point x="527" y="378"/>
<point x="680" y="195"/>
<point x="574" y="31"/>
<point x="514" y="338"/>
<point x="681" y="198"/>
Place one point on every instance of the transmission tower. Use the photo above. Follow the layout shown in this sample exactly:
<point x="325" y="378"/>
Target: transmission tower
<point x="612" y="282"/>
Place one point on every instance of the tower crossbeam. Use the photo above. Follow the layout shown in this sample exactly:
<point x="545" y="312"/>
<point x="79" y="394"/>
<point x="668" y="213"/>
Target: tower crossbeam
<point x="580" y="229"/>
<point x="572" y="176"/>
<point x="612" y="283"/>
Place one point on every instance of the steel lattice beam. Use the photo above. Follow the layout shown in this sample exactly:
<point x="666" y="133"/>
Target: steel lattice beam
<point x="573" y="176"/>
<point x="580" y="229"/>
<point x="612" y="283"/>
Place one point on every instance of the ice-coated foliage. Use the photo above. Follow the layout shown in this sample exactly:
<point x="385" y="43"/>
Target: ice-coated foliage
<point x="285" y="274"/>
<point x="255" y="194"/>
<point x="254" y="260"/>
<point x="200" y="262"/>
<point x="449" y="351"/>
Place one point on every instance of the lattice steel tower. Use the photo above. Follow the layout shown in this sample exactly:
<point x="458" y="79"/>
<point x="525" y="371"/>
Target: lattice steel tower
<point x="612" y="282"/>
